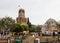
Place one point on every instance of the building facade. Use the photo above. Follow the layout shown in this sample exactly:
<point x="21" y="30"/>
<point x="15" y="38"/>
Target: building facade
<point x="21" y="19"/>
<point x="49" y="26"/>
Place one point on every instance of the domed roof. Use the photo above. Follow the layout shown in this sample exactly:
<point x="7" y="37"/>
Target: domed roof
<point x="21" y="10"/>
<point x="50" y="20"/>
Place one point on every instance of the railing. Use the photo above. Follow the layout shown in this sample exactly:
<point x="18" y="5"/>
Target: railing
<point x="54" y="41"/>
<point x="3" y="40"/>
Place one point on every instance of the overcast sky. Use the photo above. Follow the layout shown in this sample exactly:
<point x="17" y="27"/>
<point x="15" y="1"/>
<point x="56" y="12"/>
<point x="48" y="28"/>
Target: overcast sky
<point x="38" y="11"/>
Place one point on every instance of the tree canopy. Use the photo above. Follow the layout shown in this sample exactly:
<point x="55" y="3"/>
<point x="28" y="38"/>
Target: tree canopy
<point x="6" y="23"/>
<point x="33" y="29"/>
<point x="17" y="28"/>
<point x="25" y="27"/>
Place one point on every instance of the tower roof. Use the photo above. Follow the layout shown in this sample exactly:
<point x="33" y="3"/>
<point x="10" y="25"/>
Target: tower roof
<point x="21" y="10"/>
<point x="50" y="20"/>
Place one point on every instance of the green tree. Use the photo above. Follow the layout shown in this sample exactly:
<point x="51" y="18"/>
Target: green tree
<point x="32" y="29"/>
<point x="16" y="28"/>
<point x="25" y="27"/>
<point x="2" y="24"/>
<point x="58" y="25"/>
<point x="6" y="23"/>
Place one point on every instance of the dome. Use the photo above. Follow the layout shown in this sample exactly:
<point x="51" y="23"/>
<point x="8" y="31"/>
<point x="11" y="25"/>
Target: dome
<point x="21" y="10"/>
<point x="51" y="20"/>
